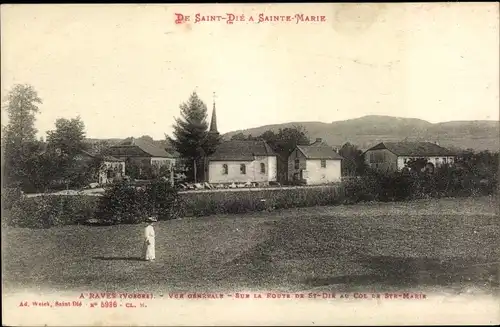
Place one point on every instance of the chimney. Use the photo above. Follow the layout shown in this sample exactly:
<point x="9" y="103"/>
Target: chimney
<point x="132" y="141"/>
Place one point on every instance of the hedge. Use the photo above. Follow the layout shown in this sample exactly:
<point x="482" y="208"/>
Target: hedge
<point x="210" y="203"/>
<point x="50" y="210"/>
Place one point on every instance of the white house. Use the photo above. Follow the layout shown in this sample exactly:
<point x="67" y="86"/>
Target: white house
<point x="393" y="156"/>
<point x="242" y="162"/>
<point x="314" y="164"/>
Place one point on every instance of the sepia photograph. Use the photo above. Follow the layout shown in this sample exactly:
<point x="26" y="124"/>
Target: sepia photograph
<point x="250" y="164"/>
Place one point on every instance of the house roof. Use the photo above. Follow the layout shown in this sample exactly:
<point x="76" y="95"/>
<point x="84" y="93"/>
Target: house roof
<point x="241" y="150"/>
<point x="319" y="152"/>
<point x="110" y="158"/>
<point x="138" y="148"/>
<point x="107" y="158"/>
<point x="425" y="149"/>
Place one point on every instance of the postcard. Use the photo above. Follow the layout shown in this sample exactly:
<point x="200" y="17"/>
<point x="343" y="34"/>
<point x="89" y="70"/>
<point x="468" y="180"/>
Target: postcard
<point x="250" y="164"/>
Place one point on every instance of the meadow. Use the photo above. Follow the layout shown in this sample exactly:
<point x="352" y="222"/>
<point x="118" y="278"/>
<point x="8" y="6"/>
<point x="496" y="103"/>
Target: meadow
<point x="436" y="244"/>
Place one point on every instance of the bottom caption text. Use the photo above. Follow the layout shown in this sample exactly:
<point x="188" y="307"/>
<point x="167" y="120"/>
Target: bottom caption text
<point x="141" y="300"/>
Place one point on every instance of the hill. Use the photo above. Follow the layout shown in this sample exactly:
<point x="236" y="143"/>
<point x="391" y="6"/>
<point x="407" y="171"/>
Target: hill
<point x="370" y="130"/>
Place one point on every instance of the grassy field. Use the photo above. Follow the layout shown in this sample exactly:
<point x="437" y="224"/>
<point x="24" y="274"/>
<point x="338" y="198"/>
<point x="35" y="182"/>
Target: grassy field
<point x="448" y="244"/>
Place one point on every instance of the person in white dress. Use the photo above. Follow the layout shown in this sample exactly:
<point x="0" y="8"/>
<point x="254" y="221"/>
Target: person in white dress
<point x="149" y="240"/>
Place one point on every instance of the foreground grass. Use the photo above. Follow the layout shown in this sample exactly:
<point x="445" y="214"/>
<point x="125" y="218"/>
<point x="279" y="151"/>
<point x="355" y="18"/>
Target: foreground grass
<point x="448" y="244"/>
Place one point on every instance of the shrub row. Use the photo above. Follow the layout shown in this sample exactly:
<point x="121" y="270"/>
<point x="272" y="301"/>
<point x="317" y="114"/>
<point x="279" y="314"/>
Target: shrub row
<point x="445" y="182"/>
<point x="124" y="203"/>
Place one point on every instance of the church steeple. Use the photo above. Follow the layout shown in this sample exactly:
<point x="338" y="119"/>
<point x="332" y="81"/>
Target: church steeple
<point x="213" y="123"/>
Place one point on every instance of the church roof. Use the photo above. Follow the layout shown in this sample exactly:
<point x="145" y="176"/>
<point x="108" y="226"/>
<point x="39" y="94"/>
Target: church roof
<point x="319" y="152"/>
<point x="424" y="149"/>
<point x="241" y="151"/>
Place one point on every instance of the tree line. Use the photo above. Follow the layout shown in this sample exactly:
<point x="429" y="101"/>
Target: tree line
<point x="37" y="164"/>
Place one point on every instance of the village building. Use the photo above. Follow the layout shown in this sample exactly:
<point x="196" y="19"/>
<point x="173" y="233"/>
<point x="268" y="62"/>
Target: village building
<point x="240" y="161"/>
<point x="111" y="169"/>
<point x="314" y="164"/>
<point x="394" y="156"/>
<point x="143" y="155"/>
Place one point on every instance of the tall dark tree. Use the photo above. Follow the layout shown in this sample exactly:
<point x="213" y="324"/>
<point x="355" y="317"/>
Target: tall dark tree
<point x="20" y="144"/>
<point x="353" y="163"/>
<point x="191" y="137"/>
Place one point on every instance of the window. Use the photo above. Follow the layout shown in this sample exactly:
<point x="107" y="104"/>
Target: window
<point x="323" y="163"/>
<point x="243" y="169"/>
<point x="297" y="163"/>
<point x="444" y="160"/>
<point x="110" y="173"/>
<point x="224" y="169"/>
<point x="262" y="168"/>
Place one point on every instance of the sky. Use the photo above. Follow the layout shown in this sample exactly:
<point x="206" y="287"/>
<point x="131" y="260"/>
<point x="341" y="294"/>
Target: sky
<point x="125" y="69"/>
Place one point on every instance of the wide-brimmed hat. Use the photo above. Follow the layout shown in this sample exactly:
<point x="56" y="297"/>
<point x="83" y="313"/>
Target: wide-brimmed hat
<point x="151" y="219"/>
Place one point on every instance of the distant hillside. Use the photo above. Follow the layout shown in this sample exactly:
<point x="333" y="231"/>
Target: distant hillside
<point x="369" y="130"/>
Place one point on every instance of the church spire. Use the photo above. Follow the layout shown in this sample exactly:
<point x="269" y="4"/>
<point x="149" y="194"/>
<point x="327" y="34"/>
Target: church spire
<point x="213" y="123"/>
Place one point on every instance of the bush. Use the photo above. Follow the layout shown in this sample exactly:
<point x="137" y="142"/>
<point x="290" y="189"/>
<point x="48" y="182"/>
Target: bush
<point x="126" y="203"/>
<point x="123" y="203"/>
<point x="361" y="189"/>
<point x="163" y="199"/>
<point x="395" y="187"/>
